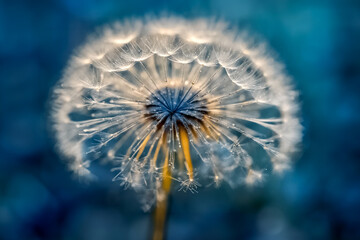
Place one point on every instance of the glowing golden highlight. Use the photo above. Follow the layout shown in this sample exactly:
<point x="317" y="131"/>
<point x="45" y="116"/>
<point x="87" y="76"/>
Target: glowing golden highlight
<point x="184" y="139"/>
<point x="159" y="219"/>
<point x="163" y="192"/>
<point x="166" y="185"/>
<point x="142" y="146"/>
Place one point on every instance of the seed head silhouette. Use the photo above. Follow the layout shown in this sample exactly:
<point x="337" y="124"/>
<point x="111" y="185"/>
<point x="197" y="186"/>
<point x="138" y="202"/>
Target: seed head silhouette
<point x="176" y="102"/>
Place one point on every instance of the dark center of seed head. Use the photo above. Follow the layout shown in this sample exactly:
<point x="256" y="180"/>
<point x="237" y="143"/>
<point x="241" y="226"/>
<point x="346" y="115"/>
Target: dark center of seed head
<point x="178" y="105"/>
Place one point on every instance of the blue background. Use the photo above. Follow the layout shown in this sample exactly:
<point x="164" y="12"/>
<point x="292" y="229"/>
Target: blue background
<point x="319" y="199"/>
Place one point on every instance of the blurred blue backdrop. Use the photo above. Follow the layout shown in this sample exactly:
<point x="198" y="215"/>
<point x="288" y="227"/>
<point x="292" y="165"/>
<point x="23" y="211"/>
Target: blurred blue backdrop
<point x="320" y="199"/>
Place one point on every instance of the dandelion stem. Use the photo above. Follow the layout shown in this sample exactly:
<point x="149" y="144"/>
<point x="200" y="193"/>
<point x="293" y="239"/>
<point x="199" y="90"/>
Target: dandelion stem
<point x="142" y="146"/>
<point x="184" y="139"/>
<point x="161" y="205"/>
<point x="160" y="217"/>
<point x="156" y="154"/>
<point x="166" y="185"/>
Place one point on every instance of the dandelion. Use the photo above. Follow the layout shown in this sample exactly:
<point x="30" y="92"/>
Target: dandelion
<point x="176" y="104"/>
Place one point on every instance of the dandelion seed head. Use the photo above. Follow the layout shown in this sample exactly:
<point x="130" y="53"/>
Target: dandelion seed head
<point x="172" y="98"/>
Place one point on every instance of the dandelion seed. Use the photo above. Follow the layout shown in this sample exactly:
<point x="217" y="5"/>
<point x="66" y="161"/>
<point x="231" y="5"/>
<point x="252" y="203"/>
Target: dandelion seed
<point x="178" y="100"/>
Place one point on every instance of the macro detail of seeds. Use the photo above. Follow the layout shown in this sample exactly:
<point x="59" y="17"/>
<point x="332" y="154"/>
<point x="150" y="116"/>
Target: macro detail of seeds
<point x="172" y="103"/>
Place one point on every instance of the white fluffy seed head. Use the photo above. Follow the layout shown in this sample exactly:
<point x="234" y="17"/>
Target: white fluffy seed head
<point x="139" y="83"/>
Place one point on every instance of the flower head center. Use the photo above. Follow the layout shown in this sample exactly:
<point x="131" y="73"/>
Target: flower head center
<point x="176" y="105"/>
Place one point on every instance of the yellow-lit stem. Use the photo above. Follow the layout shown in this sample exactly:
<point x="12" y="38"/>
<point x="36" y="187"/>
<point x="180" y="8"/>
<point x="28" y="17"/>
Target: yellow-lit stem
<point x="161" y="204"/>
<point x="142" y="146"/>
<point x="156" y="154"/>
<point x="184" y="139"/>
<point x="166" y="185"/>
